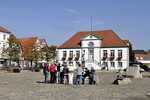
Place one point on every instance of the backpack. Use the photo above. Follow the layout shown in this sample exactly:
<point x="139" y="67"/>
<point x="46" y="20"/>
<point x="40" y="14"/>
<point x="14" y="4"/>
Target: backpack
<point x="70" y="69"/>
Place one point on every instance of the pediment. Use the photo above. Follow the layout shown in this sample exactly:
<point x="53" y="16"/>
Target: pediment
<point x="91" y="37"/>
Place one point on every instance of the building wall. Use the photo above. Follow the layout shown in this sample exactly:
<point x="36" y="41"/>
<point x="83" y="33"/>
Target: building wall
<point x="60" y="55"/>
<point x="3" y="42"/>
<point x="98" y="57"/>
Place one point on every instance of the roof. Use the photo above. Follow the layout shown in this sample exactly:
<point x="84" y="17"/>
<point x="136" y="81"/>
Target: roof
<point x="142" y="55"/>
<point x="13" y="36"/>
<point x="110" y="39"/>
<point x="126" y="41"/>
<point x="139" y="52"/>
<point x="4" y="30"/>
<point x="25" y="42"/>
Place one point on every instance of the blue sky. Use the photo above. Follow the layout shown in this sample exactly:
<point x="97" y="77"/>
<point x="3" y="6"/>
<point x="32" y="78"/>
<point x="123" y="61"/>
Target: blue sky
<point x="58" y="20"/>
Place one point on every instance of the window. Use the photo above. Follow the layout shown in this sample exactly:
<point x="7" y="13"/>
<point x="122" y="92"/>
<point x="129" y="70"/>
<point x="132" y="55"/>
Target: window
<point x="64" y="53"/>
<point x="112" y="64"/>
<point x="137" y="58"/>
<point x="119" y="64"/>
<point x="91" y="44"/>
<point x="4" y="37"/>
<point x="4" y="46"/>
<point x="146" y="58"/>
<point x="105" y="53"/>
<point x="105" y="64"/>
<point x="119" y="53"/>
<point x="77" y="53"/>
<point x="71" y="54"/>
<point x="141" y="58"/>
<point x="112" y="54"/>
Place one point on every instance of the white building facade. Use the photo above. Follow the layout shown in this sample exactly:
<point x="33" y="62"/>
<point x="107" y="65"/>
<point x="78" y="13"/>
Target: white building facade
<point x="4" y="35"/>
<point x="95" y="50"/>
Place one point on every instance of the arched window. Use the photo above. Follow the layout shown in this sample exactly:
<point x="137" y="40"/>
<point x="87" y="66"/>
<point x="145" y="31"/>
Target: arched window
<point x="91" y="44"/>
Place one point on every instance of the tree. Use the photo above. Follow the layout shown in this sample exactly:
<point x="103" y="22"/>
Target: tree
<point x="48" y="52"/>
<point x="32" y="54"/>
<point x="53" y="51"/>
<point x="131" y="53"/>
<point x="13" y="52"/>
<point x="45" y="53"/>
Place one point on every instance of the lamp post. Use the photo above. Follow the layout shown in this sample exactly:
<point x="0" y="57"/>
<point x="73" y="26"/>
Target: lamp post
<point x="107" y="61"/>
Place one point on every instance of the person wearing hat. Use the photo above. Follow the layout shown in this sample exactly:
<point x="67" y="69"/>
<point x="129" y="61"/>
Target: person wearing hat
<point x="70" y="74"/>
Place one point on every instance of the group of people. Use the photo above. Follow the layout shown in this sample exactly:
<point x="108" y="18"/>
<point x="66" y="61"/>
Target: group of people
<point x="65" y="74"/>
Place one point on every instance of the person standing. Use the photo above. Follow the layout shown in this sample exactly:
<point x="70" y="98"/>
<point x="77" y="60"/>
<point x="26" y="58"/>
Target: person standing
<point x="65" y="71"/>
<point x="92" y="72"/>
<point x="52" y="71"/>
<point x="46" y="72"/>
<point x="70" y="74"/>
<point x="79" y="75"/>
<point x="61" y="73"/>
<point x="58" y="73"/>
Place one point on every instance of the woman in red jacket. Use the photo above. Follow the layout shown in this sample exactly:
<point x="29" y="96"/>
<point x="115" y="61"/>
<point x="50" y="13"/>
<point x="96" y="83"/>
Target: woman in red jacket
<point x="52" y="72"/>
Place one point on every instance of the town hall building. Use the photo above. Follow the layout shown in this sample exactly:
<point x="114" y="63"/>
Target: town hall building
<point x="96" y="49"/>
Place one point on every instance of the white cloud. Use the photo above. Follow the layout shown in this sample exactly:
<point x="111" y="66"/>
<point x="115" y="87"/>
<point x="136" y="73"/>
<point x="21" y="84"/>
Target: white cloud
<point x="74" y="11"/>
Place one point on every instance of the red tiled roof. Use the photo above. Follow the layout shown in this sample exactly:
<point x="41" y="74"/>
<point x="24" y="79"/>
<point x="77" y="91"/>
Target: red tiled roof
<point x="25" y="42"/>
<point x="2" y="29"/>
<point x="12" y="35"/>
<point x="126" y="41"/>
<point x="110" y="39"/>
<point x="142" y="55"/>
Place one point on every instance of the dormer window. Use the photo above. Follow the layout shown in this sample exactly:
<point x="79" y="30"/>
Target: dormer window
<point x="91" y="44"/>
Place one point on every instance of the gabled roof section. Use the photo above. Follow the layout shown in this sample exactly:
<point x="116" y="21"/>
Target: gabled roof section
<point x="13" y="36"/>
<point x="110" y="39"/>
<point x="25" y="42"/>
<point x="4" y="30"/>
<point x="90" y="34"/>
<point x="139" y="52"/>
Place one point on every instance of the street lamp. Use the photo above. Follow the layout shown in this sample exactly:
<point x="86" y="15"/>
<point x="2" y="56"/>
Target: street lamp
<point x="107" y="61"/>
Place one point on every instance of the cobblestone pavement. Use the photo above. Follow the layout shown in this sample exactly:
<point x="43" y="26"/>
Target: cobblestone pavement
<point x="29" y="86"/>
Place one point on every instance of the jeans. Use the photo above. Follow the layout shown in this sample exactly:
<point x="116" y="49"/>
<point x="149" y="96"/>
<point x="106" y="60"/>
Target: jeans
<point x="52" y="77"/>
<point x="46" y="76"/>
<point x="70" y="78"/>
<point x="79" y="77"/>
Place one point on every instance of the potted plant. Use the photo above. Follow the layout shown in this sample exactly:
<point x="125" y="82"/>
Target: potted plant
<point x="104" y="58"/>
<point x="63" y="58"/>
<point x="70" y="58"/>
<point x="112" y="57"/>
<point x="119" y="58"/>
<point x="76" y="58"/>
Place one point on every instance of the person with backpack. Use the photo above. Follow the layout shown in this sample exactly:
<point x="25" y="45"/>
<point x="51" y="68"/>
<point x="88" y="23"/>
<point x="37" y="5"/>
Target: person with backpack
<point x="65" y="71"/>
<point x="70" y="74"/>
<point x="46" y="72"/>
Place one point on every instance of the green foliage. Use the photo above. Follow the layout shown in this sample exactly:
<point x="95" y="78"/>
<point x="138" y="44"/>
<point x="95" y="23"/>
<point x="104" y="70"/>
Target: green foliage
<point x="48" y="52"/>
<point x="13" y="52"/>
<point x="32" y="53"/>
<point x="131" y="53"/>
